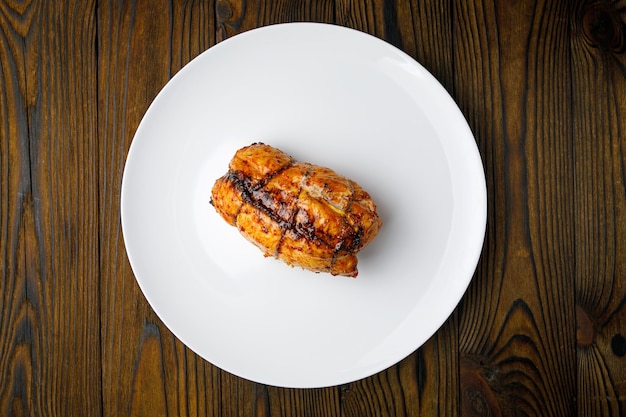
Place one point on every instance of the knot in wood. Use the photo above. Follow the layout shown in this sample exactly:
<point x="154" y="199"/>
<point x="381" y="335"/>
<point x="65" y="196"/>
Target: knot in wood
<point x="477" y="402"/>
<point x="478" y="398"/>
<point x="604" y="27"/>
<point x="223" y="11"/>
<point x="618" y="345"/>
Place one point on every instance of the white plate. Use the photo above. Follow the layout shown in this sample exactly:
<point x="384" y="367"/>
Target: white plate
<point x="334" y="97"/>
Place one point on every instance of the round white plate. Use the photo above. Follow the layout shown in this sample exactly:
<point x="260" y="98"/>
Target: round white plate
<point x="334" y="97"/>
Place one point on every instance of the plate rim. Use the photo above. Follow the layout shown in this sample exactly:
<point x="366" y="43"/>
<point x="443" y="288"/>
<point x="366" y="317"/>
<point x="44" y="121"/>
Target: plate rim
<point x="131" y="155"/>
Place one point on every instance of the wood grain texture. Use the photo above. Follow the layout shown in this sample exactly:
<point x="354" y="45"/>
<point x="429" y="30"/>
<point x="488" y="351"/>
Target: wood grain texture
<point x="599" y="115"/>
<point x="517" y="320"/>
<point x="49" y="298"/>
<point x="236" y="16"/>
<point x="542" y="328"/>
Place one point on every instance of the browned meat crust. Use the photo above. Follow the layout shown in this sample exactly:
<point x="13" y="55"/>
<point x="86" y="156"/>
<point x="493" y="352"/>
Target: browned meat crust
<point x="303" y="214"/>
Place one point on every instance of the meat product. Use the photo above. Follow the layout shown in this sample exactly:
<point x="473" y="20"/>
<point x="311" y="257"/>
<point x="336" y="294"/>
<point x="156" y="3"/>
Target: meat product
<point x="303" y="214"/>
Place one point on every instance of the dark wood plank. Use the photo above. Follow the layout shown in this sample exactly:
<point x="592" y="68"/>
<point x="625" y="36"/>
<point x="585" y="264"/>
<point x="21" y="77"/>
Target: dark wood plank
<point x="236" y="16"/>
<point x="364" y="16"/>
<point x="127" y="323"/>
<point x="599" y="99"/>
<point x="517" y="322"/>
<point x="300" y="402"/>
<point x="146" y="370"/>
<point x="49" y="304"/>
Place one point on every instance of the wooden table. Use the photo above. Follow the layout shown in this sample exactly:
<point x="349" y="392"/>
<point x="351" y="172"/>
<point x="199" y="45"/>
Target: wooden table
<point x="541" y="330"/>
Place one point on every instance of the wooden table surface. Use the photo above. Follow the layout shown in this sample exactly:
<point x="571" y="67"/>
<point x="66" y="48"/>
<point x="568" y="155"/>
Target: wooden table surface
<point x="541" y="330"/>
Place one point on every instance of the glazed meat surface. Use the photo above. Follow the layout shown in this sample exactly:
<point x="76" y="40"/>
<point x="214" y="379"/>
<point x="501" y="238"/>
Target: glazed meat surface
<point x="303" y="214"/>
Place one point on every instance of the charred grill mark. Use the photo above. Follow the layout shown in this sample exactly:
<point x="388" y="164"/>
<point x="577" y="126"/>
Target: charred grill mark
<point x="243" y="185"/>
<point x="357" y="240"/>
<point x="263" y="201"/>
<point x="307" y="230"/>
<point x="352" y="236"/>
<point x="291" y="225"/>
<point x="263" y="182"/>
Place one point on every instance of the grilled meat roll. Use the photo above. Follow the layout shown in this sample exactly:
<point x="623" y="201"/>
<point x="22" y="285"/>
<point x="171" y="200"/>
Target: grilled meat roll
<point x="303" y="214"/>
